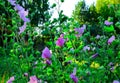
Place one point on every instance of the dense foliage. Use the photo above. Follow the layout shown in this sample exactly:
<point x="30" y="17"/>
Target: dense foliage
<point x="81" y="49"/>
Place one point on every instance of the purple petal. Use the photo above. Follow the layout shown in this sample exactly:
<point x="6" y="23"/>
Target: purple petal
<point x="60" y="42"/>
<point x="23" y="15"/>
<point x="80" y="30"/>
<point x="111" y="64"/>
<point x="74" y="78"/>
<point x="108" y="23"/>
<point x="12" y="2"/>
<point x="33" y="79"/>
<point x="86" y="48"/>
<point x="48" y="62"/>
<point x="18" y="7"/>
<point x="112" y="68"/>
<point x="74" y="71"/>
<point x="84" y="26"/>
<point x="95" y="55"/>
<point x="78" y="35"/>
<point x="62" y="35"/>
<point x="11" y="79"/>
<point x="116" y="81"/>
<point x="23" y="12"/>
<point x="46" y="53"/>
<point x="25" y="19"/>
<point x="98" y="36"/>
<point x="111" y="39"/>
<point x="22" y="28"/>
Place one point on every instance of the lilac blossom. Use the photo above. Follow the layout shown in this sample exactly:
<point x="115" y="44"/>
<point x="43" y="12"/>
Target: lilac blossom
<point x="33" y="79"/>
<point x="111" y="64"/>
<point x="62" y="35"/>
<point x="111" y="39"/>
<point x="48" y="62"/>
<point x="73" y="76"/>
<point x="21" y="11"/>
<point x="95" y="55"/>
<point x="86" y="48"/>
<point x="12" y="2"/>
<point x="22" y="28"/>
<point x="23" y="15"/>
<point x="80" y="30"/>
<point x="46" y="53"/>
<point x="11" y="79"/>
<point x="98" y="36"/>
<point x="18" y="7"/>
<point x="112" y="68"/>
<point x="74" y="71"/>
<point x="108" y="23"/>
<point x="60" y="42"/>
<point x="116" y="81"/>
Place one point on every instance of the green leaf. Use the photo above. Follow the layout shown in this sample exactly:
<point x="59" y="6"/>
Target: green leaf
<point x="49" y="43"/>
<point x="119" y="54"/>
<point x="24" y="67"/>
<point x="11" y="35"/>
<point x="11" y="50"/>
<point x="35" y="33"/>
<point x="117" y="13"/>
<point x="77" y="50"/>
<point x="69" y="44"/>
<point x="117" y="25"/>
<point x="31" y="57"/>
<point x="5" y="41"/>
<point x="37" y="52"/>
<point x="68" y="58"/>
<point x="62" y="0"/>
<point x="109" y="28"/>
<point x="64" y="49"/>
<point x="13" y="22"/>
<point x="54" y="5"/>
<point x="49" y="71"/>
<point x="15" y="44"/>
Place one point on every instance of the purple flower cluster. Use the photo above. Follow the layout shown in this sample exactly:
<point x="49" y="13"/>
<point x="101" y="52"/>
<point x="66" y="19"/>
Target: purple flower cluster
<point x="33" y="79"/>
<point x="46" y="55"/>
<point x="60" y="42"/>
<point x="86" y="48"/>
<point x="73" y="76"/>
<point x="98" y="36"/>
<point x="108" y="23"/>
<point x="95" y="55"/>
<point x="116" y="81"/>
<point x="11" y="80"/>
<point x="80" y="30"/>
<point x="111" y="39"/>
<point x="22" y="28"/>
<point x="12" y="2"/>
<point x="22" y="13"/>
